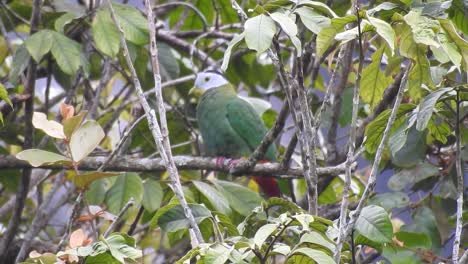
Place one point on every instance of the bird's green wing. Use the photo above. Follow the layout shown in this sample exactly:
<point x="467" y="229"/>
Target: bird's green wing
<point x="248" y="124"/>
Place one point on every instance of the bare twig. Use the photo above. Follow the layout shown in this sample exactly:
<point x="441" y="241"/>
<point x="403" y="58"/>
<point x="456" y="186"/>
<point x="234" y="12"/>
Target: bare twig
<point x="175" y="42"/>
<point x="304" y="121"/>
<point x="160" y="134"/>
<point x="124" y="138"/>
<point x="74" y="213"/>
<point x="23" y="187"/>
<point x="112" y="226"/>
<point x="240" y="12"/>
<point x="46" y="210"/>
<point x="378" y="156"/>
<point x="133" y="226"/>
<point x="460" y="184"/>
<point x="351" y="145"/>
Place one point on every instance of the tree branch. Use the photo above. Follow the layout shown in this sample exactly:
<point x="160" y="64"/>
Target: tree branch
<point x="378" y="156"/>
<point x="351" y="143"/>
<point x="23" y="187"/>
<point x="123" y="164"/>
<point x="460" y="184"/>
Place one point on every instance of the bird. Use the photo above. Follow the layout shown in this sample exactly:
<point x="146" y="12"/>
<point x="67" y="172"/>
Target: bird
<point x="229" y="125"/>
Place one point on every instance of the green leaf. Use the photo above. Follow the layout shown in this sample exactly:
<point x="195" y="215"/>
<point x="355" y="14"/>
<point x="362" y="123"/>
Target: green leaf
<point x="289" y="27"/>
<point x="325" y="38"/>
<point x="420" y="74"/>
<point x="425" y="222"/>
<point x="374" y="81"/>
<point x="423" y="28"/>
<point x="104" y="258"/>
<point x="121" y="248"/>
<point x="413" y="150"/>
<point x="313" y="254"/>
<point x="259" y="32"/>
<point x="375" y="129"/>
<point x="390" y="200"/>
<point x="316" y="238"/>
<point x="263" y="233"/>
<point x="414" y="240"/>
<point x="64" y="20"/>
<point x="427" y="107"/>
<point x="39" y="44"/>
<point x="382" y="7"/>
<point x="319" y="6"/>
<point x="312" y="20"/>
<point x="219" y="202"/>
<point x="218" y="254"/>
<point x="152" y="196"/>
<point x="374" y="223"/>
<point x="457" y="14"/>
<point x="440" y="130"/>
<point x="240" y="198"/>
<point x="37" y="157"/>
<point x="96" y="192"/>
<point x="20" y="62"/>
<point x="401" y="256"/>
<point x="4" y="95"/>
<point x="227" y="54"/>
<point x="134" y="25"/>
<point x="400" y="180"/>
<point x="174" y="219"/>
<point x="50" y="127"/>
<point x="82" y="181"/>
<point x="71" y="124"/>
<point x="461" y="43"/>
<point x="85" y="139"/>
<point x="384" y="30"/>
<point x="226" y="224"/>
<point x="45" y="258"/>
<point x="126" y="186"/>
<point x="66" y="52"/>
<point x="105" y="33"/>
<point x="169" y="64"/>
<point x="448" y="51"/>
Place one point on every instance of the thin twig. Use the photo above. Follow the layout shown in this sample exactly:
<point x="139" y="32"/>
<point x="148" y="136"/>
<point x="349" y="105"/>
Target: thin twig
<point x="304" y="121"/>
<point x="160" y="135"/>
<point x="112" y="226"/>
<point x="240" y="12"/>
<point x="351" y="144"/>
<point x="23" y="187"/>
<point x="74" y="213"/>
<point x="378" y="156"/>
<point x="53" y="201"/>
<point x="460" y="184"/>
<point x="134" y="225"/>
<point x="124" y="138"/>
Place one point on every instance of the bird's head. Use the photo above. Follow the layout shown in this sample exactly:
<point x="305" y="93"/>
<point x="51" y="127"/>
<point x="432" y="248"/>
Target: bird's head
<point x="207" y="80"/>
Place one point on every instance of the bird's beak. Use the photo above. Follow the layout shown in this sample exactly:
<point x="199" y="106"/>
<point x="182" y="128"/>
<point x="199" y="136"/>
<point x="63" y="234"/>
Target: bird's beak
<point x="196" y="92"/>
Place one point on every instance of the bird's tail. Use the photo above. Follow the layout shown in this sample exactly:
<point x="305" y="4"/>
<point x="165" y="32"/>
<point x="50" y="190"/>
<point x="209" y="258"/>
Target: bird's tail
<point x="269" y="186"/>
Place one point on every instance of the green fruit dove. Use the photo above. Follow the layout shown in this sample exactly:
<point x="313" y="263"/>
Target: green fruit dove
<point x="229" y="125"/>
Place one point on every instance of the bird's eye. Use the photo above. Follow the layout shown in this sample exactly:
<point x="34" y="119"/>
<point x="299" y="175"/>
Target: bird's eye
<point x="207" y="79"/>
